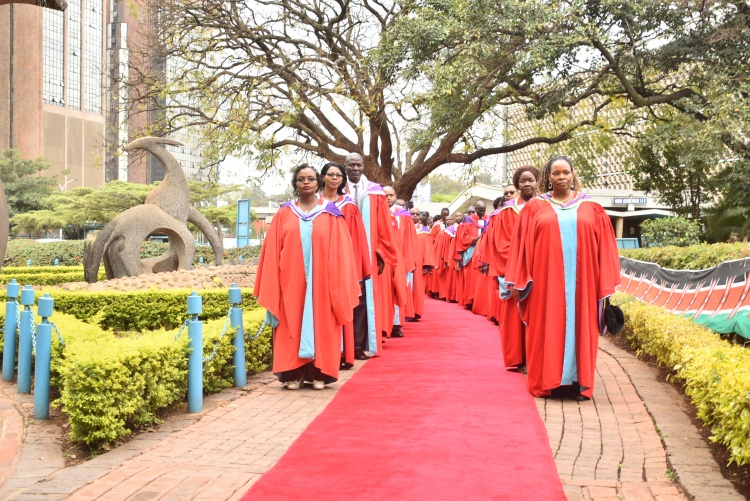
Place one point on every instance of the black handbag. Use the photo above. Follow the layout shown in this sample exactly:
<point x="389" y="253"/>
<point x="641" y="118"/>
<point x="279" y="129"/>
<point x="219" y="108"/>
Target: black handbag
<point x="614" y="318"/>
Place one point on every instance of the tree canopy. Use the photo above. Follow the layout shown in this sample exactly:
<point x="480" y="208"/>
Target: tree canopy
<point x="25" y="188"/>
<point x="330" y="77"/>
<point x="415" y="84"/>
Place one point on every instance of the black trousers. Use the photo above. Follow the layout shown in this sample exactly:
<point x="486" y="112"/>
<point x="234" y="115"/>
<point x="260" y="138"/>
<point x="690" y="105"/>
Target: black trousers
<point x="360" y="322"/>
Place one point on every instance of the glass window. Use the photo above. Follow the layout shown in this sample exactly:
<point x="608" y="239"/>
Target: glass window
<point x="74" y="54"/>
<point x="54" y="86"/>
<point x="92" y="57"/>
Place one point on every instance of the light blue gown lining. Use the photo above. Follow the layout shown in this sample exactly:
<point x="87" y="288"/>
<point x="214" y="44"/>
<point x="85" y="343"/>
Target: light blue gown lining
<point x="372" y="339"/>
<point x="568" y="221"/>
<point x="307" y="340"/>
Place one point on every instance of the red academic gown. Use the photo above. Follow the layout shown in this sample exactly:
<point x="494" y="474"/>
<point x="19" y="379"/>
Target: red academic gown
<point x="281" y="286"/>
<point x="471" y="228"/>
<point x="488" y="256"/>
<point x="393" y="295"/>
<point x="512" y="329"/>
<point x="435" y="231"/>
<point x="445" y="262"/>
<point x="353" y="220"/>
<point x="407" y="239"/>
<point x="425" y="260"/>
<point x="482" y="290"/>
<point x="381" y="239"/>
<point x="555" y="316"/>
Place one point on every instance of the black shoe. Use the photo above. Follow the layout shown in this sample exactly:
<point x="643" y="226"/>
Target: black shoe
<point x="521" y="368"/>
<point x="360" y="355"/>
<point x="397" y="332"/>
<point x="580" y="398"/>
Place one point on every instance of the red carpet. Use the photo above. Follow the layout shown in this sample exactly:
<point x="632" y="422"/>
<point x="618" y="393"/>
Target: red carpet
<point x="435" y="417"/>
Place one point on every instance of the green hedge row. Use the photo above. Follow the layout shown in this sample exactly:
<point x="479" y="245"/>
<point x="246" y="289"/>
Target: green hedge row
<point x="41" y="279"/>
<point x="694" y="257"/>
<point x="70" y="252"/>
<point x="143" y="310"/>
<point x="111" y="384"/>
<point x="714" y="372"/>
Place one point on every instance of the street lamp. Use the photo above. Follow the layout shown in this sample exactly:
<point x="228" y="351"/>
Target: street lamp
<point x="64" y="187"/>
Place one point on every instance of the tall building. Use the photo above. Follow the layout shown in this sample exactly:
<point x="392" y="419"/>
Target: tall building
<point x="129" y="58"/>
<point x="52" y="87"/>
<point x="62" y="95"/>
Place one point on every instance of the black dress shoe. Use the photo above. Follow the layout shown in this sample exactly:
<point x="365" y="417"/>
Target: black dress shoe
<point x="580" y="398"/>
<point x="397" y="332"/>
<point x="360" y="355"/>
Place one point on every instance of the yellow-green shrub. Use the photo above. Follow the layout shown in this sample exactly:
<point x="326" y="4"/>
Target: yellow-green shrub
<point x="693" y="257"/>
<point x="144" y="310"/>
<point x="112" y="384"/>
<point x="39" y="278"/>
<point x="715" y="373"/>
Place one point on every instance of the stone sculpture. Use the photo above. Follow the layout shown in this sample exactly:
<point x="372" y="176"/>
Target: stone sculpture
<point x="166" y="211"/>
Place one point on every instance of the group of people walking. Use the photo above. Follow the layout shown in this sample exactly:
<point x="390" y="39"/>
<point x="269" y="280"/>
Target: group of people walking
<point x="346" y="265"/>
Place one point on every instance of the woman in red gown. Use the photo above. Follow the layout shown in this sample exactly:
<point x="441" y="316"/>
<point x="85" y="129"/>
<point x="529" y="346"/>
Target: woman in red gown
<point x="307" y="281"/>
<point x="334" y="190"/>
<point x="563" y="264"/>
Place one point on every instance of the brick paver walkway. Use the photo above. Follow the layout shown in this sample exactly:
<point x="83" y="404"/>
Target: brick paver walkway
<point x="605" y="449"/>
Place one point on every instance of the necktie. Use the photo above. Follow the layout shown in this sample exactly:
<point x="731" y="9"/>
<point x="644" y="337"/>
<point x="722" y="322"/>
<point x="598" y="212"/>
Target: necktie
<point x="357" y="199"/>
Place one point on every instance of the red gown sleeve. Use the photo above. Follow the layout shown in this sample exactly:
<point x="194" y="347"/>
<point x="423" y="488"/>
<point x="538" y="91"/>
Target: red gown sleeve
<point x="386" y="245"/>
<point x="609" y="257"/>
<point x="267" y="287"/>
<point x="356" y="227"/>
<point x="343" y="285"/>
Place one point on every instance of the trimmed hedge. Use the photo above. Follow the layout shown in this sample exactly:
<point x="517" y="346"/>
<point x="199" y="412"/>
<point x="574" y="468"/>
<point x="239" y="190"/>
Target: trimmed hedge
<point x="694" y="257"/>
<point x="143" y="310"/>
<point x="714" y="372"/>
<point x="70" y="252"/>
<point x="112" y="384"/>
<point x="114" y="381"/>
<point x="42" y="278"/>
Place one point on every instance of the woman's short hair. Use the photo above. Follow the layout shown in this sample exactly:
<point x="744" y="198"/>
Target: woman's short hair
<point x="324" y="170"/>
<point x="526" y="168"/>
<point x="296" y="173"/>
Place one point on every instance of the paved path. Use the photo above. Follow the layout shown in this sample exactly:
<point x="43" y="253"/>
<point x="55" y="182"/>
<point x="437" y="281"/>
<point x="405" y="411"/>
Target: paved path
<point x="633" y="442"/>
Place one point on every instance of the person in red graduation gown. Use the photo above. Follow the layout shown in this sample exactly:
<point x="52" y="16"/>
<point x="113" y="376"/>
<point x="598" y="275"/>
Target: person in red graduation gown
<point x="334" y="190"/>
<point x="307" y="281"/>
<point x="512" y="329"/>
<point x="425" y="262"/>
<point x="370" y="316"/>
<point x="563" y="264"/>
<point x="466" y="241"/>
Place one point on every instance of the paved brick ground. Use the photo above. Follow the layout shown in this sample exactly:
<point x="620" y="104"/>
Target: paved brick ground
<point x="606" y="449"/>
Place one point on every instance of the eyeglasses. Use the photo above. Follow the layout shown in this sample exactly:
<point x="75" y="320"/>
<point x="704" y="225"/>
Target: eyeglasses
<point x="334" y="175"/>
<point x="309" y="179"/>
<point x="506" y="193"/>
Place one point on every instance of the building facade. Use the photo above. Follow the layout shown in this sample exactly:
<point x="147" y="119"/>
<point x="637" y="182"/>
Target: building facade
<point x="52" y="88"/>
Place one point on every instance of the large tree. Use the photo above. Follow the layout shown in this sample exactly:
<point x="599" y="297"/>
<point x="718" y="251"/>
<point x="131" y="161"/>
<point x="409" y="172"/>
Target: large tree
<point x="25" y="186"/>
<point x="645" y="62"/>
<point x="323" y="78"/>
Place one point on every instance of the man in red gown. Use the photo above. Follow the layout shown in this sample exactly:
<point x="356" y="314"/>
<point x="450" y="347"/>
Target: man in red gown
<point x="369" y="315"/>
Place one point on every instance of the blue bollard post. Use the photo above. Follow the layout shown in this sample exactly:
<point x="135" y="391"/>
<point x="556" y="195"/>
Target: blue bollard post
<point x="24" y="341"/>
<point x="42" y="359"/>
<point x="11" y="319"/>
<point x="240" y="369"/>
<point x="29" y="262"/>
<point x="57" y="262"/>
<point x="195" y="359"/>
<point x="201" y="260"/>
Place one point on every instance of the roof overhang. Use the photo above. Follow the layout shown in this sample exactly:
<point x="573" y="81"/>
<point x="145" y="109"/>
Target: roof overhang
<point x="647" y="213"/>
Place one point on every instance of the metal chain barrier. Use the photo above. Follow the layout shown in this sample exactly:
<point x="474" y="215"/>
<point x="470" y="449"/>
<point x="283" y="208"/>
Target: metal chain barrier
<point x="59" y="336"/>
<point x="223" y="331"/>
<point x="184" y="324"/>
<point x="33" y="334"/>
<point x="18" y="316"/>
<point x="260" y="331"/>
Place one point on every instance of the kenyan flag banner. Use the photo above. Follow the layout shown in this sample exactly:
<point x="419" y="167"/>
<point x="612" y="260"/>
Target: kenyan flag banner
<point x="717" y="297"/>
